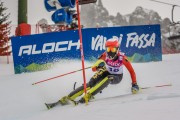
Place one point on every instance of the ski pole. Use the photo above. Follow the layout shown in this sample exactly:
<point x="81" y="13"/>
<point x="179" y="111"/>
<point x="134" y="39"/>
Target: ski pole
<point x="59" y="76"/>
<point x="165" y="85"/>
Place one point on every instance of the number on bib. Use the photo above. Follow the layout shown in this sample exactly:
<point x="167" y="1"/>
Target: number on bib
<point x="113" y="69"/>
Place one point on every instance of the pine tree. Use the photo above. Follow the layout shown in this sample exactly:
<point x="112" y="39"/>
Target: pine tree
<point x="4" y="31"/>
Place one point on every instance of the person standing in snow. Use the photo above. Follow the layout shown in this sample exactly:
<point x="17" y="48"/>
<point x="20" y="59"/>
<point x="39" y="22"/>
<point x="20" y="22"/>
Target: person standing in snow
<point x="109" y="70"/>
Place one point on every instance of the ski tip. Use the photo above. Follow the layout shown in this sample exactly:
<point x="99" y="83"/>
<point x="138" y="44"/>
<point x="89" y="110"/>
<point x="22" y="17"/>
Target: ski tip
<point x="48" y="107"/>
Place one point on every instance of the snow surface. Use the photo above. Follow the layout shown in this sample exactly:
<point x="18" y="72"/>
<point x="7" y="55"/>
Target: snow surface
<point x="19" y="100"/>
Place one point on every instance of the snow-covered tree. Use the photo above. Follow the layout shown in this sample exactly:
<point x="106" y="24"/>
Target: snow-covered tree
<point x="4" y="30"/>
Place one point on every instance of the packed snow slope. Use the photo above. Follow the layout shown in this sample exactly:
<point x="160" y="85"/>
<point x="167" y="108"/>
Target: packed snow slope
<point x="20" y="100"/>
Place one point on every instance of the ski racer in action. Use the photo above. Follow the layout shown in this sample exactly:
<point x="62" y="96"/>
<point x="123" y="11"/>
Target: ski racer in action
<point x="109" y="70"/>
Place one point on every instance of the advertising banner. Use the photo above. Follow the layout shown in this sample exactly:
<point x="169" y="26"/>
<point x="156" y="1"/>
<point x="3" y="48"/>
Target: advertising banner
<point x="39" y="52"/>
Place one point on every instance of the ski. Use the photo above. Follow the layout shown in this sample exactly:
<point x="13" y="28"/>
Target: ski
<point x="51" y="105"/>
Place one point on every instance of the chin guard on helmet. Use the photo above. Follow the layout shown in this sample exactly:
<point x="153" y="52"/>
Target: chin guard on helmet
<point x="112" y="48"/>
<point x="112" y="55"/>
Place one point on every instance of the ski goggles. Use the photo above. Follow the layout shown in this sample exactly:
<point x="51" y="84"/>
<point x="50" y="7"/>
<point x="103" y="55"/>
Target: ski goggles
<point x="112" y="49"/>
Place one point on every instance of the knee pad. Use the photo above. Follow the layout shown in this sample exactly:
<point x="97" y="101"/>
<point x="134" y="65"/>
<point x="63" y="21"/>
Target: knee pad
<point x="115" y="79"/>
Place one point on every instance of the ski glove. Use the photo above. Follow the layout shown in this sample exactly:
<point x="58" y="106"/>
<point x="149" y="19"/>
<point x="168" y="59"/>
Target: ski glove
<point x="134" y="88"/>
<point x="99" y="64"/>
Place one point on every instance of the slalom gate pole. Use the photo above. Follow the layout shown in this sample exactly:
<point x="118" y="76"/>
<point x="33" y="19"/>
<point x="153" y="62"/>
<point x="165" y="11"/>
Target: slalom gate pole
<point x="59" y="76"/>
<point x="81" y="49"/>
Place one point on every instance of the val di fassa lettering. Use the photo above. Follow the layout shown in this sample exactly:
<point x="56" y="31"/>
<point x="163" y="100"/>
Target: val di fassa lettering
<point x="133" y="40"/>
<point x="48" y="47"/>
<point x="143" y="41"/>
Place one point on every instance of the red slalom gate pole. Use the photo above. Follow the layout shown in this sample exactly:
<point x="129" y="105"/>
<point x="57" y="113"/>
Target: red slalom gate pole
<point x="59" y="76"/>
<point x="81" y="49"/>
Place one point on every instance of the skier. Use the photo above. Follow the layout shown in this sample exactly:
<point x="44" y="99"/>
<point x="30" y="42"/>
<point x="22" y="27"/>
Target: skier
<point x="109" y="70"/>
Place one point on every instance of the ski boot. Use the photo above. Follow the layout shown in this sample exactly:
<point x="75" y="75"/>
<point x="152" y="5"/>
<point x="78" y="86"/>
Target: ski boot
<point x="88" y="96"/>
<point x="64" y="100"/>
